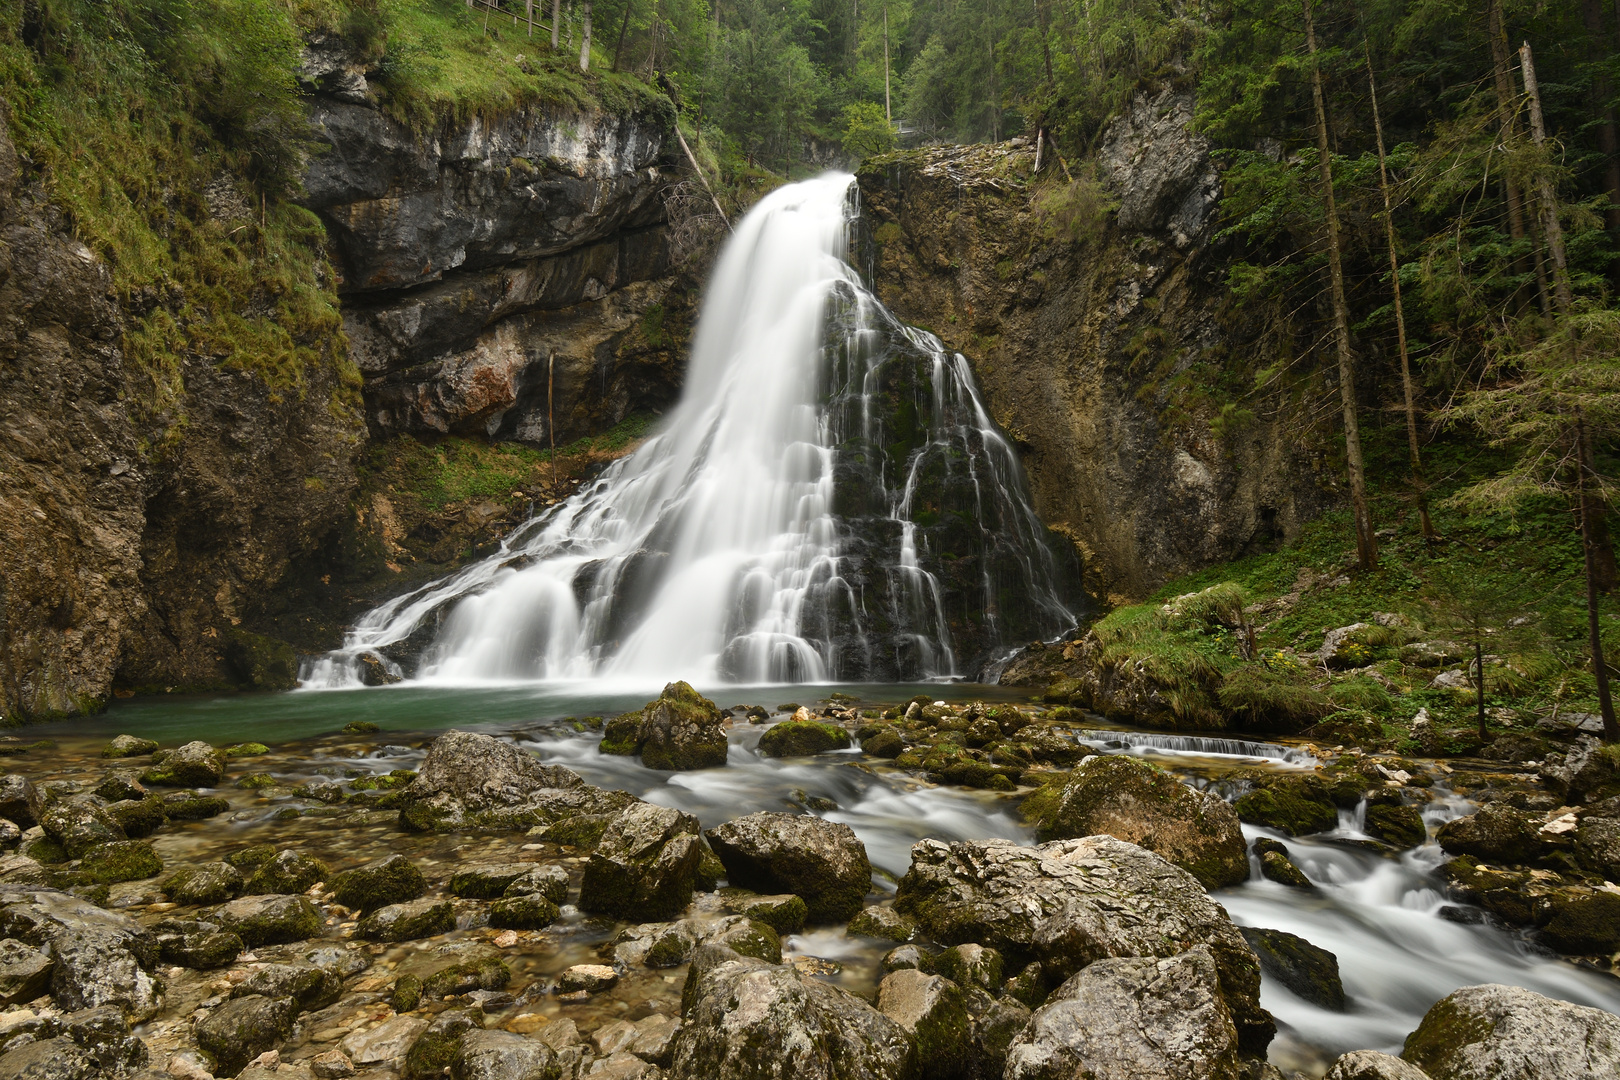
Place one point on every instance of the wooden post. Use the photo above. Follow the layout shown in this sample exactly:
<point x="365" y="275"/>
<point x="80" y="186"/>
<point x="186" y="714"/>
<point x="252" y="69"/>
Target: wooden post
<point x="1550" y="228"/>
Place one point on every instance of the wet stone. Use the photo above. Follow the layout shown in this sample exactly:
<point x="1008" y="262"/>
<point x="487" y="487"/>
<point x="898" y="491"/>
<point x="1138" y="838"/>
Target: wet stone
<point x="124" y="746"/>
<point x="383" y="1044"/>
<point x="487" y="881"/>
<point x="119" y="785"/>
<point x="881" y="921"/>
<point x="931" y="1010"/>
<point x="191" y="806"/>
<point x="1276" y="866"/>
<point x="122" y="860"/>
<point x="195" y="944"/>
<point x="404" y="922"/>
<point x="591" y="978"/>
<point x="194" y="765"/>
<point x="288" y="872"/>
<point x="80" y="824"/>
<point x="528" y="912"/>
<point x="243" y="1028"/>
<point x="141" y="817"/>
<point x="393" y="879"/>
<point x="550" y="882"/>
<point x="210" y="883"/>
<point x="502" y="1055"/>
<point x="785" y="913"/>
<point x="269" y="919"/>
<point x="971" y="965"/>
<point x="309" y="986"/>
<point x="331" y="1065"/>
<point x="25" y="972"/>
<point x="1309" y="971"/>
<point x="440" y="1042"/>
<point x="822" y="862"/>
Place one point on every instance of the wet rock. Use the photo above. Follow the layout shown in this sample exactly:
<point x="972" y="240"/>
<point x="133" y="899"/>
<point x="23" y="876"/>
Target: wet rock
<point x="21" y="870"/>
<point x="747" y="1019"/>
<point x="383" y="1044"/>
<point x="242" y="1029"/>
<point x="210" y="883"/>
<point x="406" y="922"/>
<point x="1277" y="866"/>
<point x="194" y="765"/>
<point x="884" y="743"/>
<point x="440" y="1042"/>
<point x="1296" y="805"/>
<point x="487" y="881"/>
<point x="1507" y="1033"/>
<point x="971" y="966"/>
<point x="646" y="865"/>
<point x="25" y="972"/>
<point x="104" y="1036"/>
<point x="1371" y="1065"/>
<point x="10" y="833"/>
<point x="476" y="781"/>
<point x="119" y="785"/>
<point x="654" y="1039"/>
<point x="124" y="746"/>
<point x="501" y="1055"/>
<point x="1161" y="167"/>
<point x="101" y="957"/>
<point x="1028" y="986"/>
<point x="196" y="944"/>
<point x="1585" y="924"/>
<point x="288" y="872"/>
<point x="1497" y="833"/>
<point x="1069" y="903"/>
<point x="458" y="967"/>
<point x="1132" y="1018"/>
<point x="591" y="978"/>
<point x="995" y="1026"/>
<point x="50" y="1059"/>
<point x="882" y="921"/>
<point x="1132" y="801"/>
<point x="332" y="1065"/>
<point x="269" y="919"/>
<point x="820" y="861"/>
<point x="309" y="986"/>
<point x="784" y="912"/>
<point x="1597" y="846"/>
<point x="1310" y="972"/>
<point x="801" y="738"/>
<point x="550" y="882"/>
<point x="623" y="1066"/>
<point x="392" y="879"/>
<point x="1396" y="825"/>
<point x="931" y="1010"/>
<point x="80" y="824"/>
<point x="121" y="860"/>
<point x="250" y="859"/>
<point x="663" y="945"/>
<point x="139" y="818"/>
<point x="190" y="806"/>
<point x="1583" y="773"/>
<point x="681" y="730"/>
<point x="529" y="911"/>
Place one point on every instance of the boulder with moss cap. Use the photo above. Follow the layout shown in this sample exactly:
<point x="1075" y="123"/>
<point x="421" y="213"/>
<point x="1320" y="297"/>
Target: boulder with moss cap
<point x="681" y="730"/>
<point x="1508" y="1033"/>
<point x="647" y="864"/>
<point x="823" y="862"/>
<point x="392" y="879"/>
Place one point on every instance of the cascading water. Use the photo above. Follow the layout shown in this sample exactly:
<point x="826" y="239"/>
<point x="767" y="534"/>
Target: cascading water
<point x="829" y="501"/>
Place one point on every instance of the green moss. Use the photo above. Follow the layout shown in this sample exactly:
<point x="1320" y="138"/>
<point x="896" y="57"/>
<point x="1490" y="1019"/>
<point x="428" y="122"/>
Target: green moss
<point x="360" y="727"/>
<point x="406" y="994"/>
<point x="1295" y="805"/>
<point x="139" y="818"/>
<point x="194" y="807"/>
<point x="247" y="749"/>
<point x="122" y="860"/>
<point x="1588" y="925"/>
<point x="368" y="888"/>
<point x="45" y="849"/>
<point x="581" y="830"/>
<point x="1445" y="1030"/>
<point x="256" y="781"/>
<point x="622" y="735"/>
<point x="801" y="738"/>
<point x="1400" y="826"/>
<point x="433" y="1051"/>
<point x="479" y="974"/>
<point x="530" y="911"/>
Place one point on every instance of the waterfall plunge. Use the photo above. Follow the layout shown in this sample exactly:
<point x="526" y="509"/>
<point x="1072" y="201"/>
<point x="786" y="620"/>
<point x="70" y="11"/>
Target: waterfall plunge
<point x="826" y="503"/>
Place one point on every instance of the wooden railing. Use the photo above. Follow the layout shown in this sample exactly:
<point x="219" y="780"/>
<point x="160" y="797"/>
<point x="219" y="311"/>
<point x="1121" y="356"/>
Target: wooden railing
<point x="495" y="7"/>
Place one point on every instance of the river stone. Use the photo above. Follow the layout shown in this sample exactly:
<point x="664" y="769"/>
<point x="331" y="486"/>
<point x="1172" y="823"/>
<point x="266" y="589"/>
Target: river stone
<point x="1310" y="972"/>
<point x="930" y="1009"/>
<point x="271" y="919"/>
<point x="118" y="785"/>
<point x="210" y="883"/>
<point x="1371" y="1065"/>
<point x="477" y="781"/>
<point x="25" y="972"/>
<point x="1296" y="805"/>
<point x="1277" y="866"/>
<point x="139" y="817"/>
<point x="49" y="1059"/>
<point x="646" y="864"/>
<point x="408" y="921"/>
<point x="309" y="986"/>
<point x="821" y="861"/>
<point x="784" y="912"/>
<point x="242" y="1029"/>
<point x="101" y="957"/>
<point x="440" y="1043"/>
<point x="1396" y="825"/>
<point x="488" y="880"/>
<point x="1597" y="846"/>
<point x="21" y="870"/>
<point x="670" y="944"/>
<point x="882" y="921"/>
<point x="971" y="966"/>
<point x="749" y="1020"/>
<point x="383" y="1044"/>
<point x="528" y="911"/>
<point x="288" y="872"/>
<point x="590" y="978"/>
<point x="104" y="1036"/>
<point x="79" y="824"/>
<point x="1585" y="924"/>
<point x="501" y="1055"/>
<point x="190" y="806"/>
<point x="193" y="943"/>
<point x="1144" y="1019"/>
<point x="550" y="882"/>
<point x="1135" y="802"/>
<point x="332" y="1065"/>
<point x="194" y="765"/>
<point x="1497" y="833"/>
<point x="681" y="730"/>
<point x="392" y="879"/>
<point x="124" y="746"/>
<point x="121" y="860"/>
<point x="1068" y="903"/>
<point x="20" y="800"/>
<point x="801" y="738"/>
<point x="1495" y="1032"/>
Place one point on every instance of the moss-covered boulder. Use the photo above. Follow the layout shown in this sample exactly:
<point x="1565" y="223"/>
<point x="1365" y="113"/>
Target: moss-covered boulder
<point x="80" y="824"/>
<point x="124" y="746"/>
<point x="971" y="965"/>
<point x="1585" y="924"/>
<point x="433" y="1051"/>
<point x="118" y="785"/>
<point x="287" y="872"/>
<point x="122" y="860"/>
<point x="1310" y="972"/>
<point x="646" y="865"/>
<point x="1277" y="866"/>
<point x="194" y="943"/>
<point x="457" y="967"/>
<point x="681" y="730"/>
<point x="310" y="986"/>
<point x="530" y="911"/>
<point x="801" y="738"/>
<point x="487" y="881"/>
<point x="823" y="862"/>
<point x="392" y="879"/>
<point x="245" y="749"/>
<point x="191" y="806"/>
<point x="550" y="882"/>
<point x="1296" y="805"/>
<point x="1597" y="846"/>
<point x="1498" y="833"/>
<point x="409" y="921"/>
<point x="1508" y="1033"/>
<point x="883" y="922"/>
<point x="1133" y="801"/>
<point x="1397" y="825"/>
<point x="139" y="817"/>
<point x="784" y="912"/>
<point x="194" y="765"/>
<point x="270" y="919"/>
<point x="930" y="1009"/>
<point x="242" y="1029"/>
<point x="885" y="742"/>
<point x="249" y="859"/>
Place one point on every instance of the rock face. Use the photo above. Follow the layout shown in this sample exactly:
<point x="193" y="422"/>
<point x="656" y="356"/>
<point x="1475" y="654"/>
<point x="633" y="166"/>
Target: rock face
<point x="1507" y="1033"/>
<point x="1070" y="903"/>
<point x="750" y="1020"/>
<point x="1145" y="1019"/>
<point x="1134" y="802"/>
<point x="1065" y="349"/>
<point x="681" y="730"/>
<point x="820" y="861"/>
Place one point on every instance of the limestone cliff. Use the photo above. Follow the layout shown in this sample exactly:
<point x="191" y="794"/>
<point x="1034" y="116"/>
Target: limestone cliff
<point x="1079" y="305"/>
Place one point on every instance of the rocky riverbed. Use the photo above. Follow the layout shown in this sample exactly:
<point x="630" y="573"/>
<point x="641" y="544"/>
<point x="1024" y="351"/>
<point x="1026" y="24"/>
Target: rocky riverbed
<point x="843" y="889"/>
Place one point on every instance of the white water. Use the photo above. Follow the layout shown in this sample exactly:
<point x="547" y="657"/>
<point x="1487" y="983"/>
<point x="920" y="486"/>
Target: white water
<point x="713" y="553"/>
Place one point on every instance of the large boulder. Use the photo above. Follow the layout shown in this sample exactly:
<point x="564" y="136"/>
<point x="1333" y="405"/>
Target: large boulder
<point x="670" y="944"/>
<point x="823" y="862"/>
<point x="210" y="883"/>
<point x="1371" y="1065"/>
<point x="272" y="919"/>
<point x="501" y="1055"/>
<point x="392" y="879"/>
<point x="1310" y="971"/>
<point x="476" y="781"/>
<point x="20" y="800"/>
<point x="1135" y="802"/>
<point x="1597" y="846"/>
<point x="405" y="922"/>
<point x="646" y="865"/>
<point x="242" y="1029"/>
<point x="749" y="1020"/>
<point x="194" y="765"/>
<point x="933" y="1012"/>
<point x="25" y="972"/>
<point x="100" y="957"/>
<point x="1069" y="903"/>
<point x="1124" y="1019"/>
<point x="1495" y="1032"/>
<point x="1296" y="805"/>
<point x="681" y="730"/>
<point x="801" y="737"/>
<point x="1498" y="833"/>
<point x="287" y="871"/>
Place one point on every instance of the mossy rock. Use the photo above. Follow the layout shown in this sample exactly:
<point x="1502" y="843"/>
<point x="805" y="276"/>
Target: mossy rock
<point x="581" y="830"/>
<point x="784" y="913"/>
<point x="1310" y="972"/>
<point x="270" y="920"/>
<point x="1585" y="925"/>
<point x="250" y="859"/>
<point x="529" y="911"/>
<point x="361" y="727"/>
<point x="123" y="860"/>
<point x="246" y="749"/>
<point x="128" y="746"/>
<point x="971" y="965"/>
<point x="433" y="1051"/>
<point x="1297" y="806"/>
<point x="802" y="738"/>
<point x="211" y="883"/>
<point x="407" y="993"/>
<point x="884" y="743"/>
<point x="1398" y="826"/>
<point x="141" y="817"/>
<point x="408" y="921"/>
<point x="288" y="872"/>
<point x="421" y="817"/>
<point x="982" y="774"/>
<point x="465" y="976"/>
<point x="392" y="879"/>
<point x="1277" y="866"/>
<point x="622" y="735"/>
<point x="193" y="807"/>
<point x="243" y="1028"/>
<point x="44" y="849"/>
<point x="883" y="923"/>
<point x="256" y="781"/>
<point x="1448" y="1026"/>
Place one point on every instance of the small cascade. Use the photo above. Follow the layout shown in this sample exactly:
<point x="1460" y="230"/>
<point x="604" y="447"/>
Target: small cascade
<point x="828" y="502"/>
<point x="1140" y="744"/>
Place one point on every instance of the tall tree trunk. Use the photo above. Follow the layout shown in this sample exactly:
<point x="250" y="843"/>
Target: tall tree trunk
<point x="1507" y="127"/>
<point x="1426" y="525"/>
<point x="1603" y="90"/>
<point x="1479" y="689"/>
<point x="585" y="40"/>
<point x="528" y="13"/>
<point x="624" y="24"/>
<point x="888" y="111"/>
<point x="1591" y="514"/>
<point x="1548" y="198"/>
<point x="1046" y="44"/>
<point x="556" y="23"/>
<point x="1366" y="542"/>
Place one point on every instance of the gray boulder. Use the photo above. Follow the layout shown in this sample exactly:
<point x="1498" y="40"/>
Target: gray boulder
<point x="1597" y="845"/>
<point x="25" y="972"/>
<point x="242" y="1029"/>
<point x="1495" y="1032"/>
<point x="932" y="1011"/>
<point x="823" y="862"/>
<point x="681" y="730"/>
<point x="271" y="919"/>
<point x="487" y="881"/>
<point x="104" y="1036"/>
<point x="525" y="911"/>
<point x="476" y="781"/>
<point x="287" y="872"/>
<point x="80" y="824"/>
<point x="670" y="944"/>
<point x="1497" y="833"/>
<point x="749" y="1020"/>
<point x="210" y="883"/>
<point x="501" y="1055"/>
<point x="646" y="865"/>
<point x="1069" y="903"/>
<point x="100" y="957"/>
<point x="49" y="1059"/>
<point x="1137" y="1019"/>
<point x="550" y="882"/>
<point x="20" y="800"/>
<point x="309" y="986"/>
<point x="196" y="944"/>
<point x="124" y="746"/>
<point x="194" y="765"/>
<point x="1371" y="1065"/>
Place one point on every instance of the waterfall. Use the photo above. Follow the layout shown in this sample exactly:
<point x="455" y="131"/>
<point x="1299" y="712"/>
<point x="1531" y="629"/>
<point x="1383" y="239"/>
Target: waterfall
<point x="829" y="501"/>
<point x="1145" y="744"/>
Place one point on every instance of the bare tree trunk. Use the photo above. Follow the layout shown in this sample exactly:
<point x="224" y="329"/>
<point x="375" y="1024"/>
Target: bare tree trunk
<point x="888" y="111"/>
<point x="1506" y="131"/>
<point x="556" y="22"/>
<point x="1425" y="524"/>
<point x="624" y="24"/>
<point x="1591" y="511"/>
<point x="1366" y="542"/>
<point x="1550" y="228"/>
<point x="1046" y="45"/>
<point x="1479" y="689"/>
<point x="528" y="13"/>
<point x="585" y="41"/>
<point x="1603" y="90"/>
